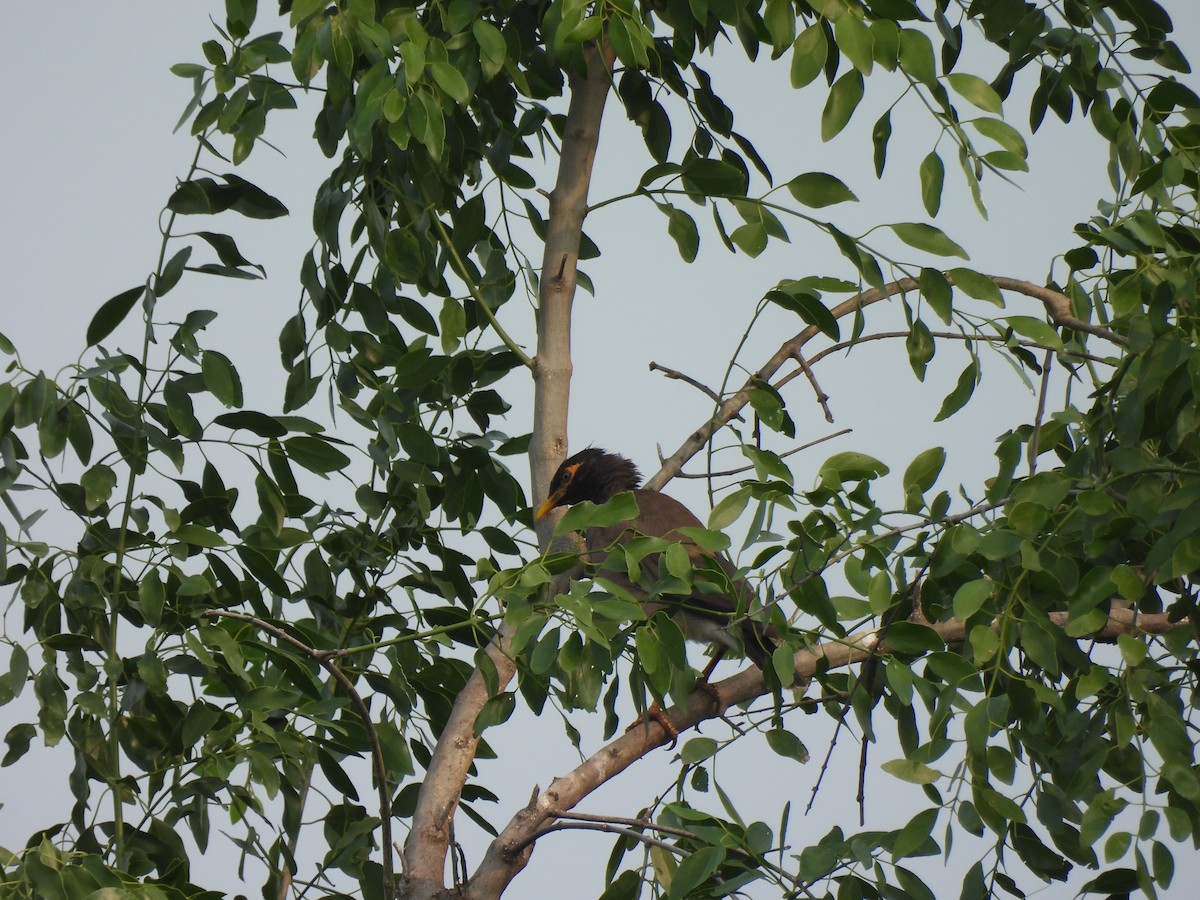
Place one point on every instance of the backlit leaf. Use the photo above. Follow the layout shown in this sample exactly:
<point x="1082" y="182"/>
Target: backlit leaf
<point x="928" y="238"/>
<point x="817" y="189"/>
<point x="111" y="314"/>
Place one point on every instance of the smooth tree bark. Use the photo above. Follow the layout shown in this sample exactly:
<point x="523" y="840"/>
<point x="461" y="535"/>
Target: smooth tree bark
<point x="425" y="851"/>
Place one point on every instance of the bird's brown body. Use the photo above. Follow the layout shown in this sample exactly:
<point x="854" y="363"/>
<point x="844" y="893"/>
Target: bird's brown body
<point x="707" y="613"/>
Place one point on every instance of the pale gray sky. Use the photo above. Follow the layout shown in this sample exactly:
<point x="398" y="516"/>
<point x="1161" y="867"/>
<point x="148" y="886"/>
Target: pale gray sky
<point x="90" y="159"/>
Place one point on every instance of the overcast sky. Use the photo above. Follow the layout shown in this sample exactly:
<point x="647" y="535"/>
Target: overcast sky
<point x="89" y="160"/>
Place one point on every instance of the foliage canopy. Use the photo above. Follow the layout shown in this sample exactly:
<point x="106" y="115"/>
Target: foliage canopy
<point x="231" y="614"/>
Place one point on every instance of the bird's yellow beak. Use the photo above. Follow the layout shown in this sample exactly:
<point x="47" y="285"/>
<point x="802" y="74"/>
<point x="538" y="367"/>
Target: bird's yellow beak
<point x="548" y="504"/>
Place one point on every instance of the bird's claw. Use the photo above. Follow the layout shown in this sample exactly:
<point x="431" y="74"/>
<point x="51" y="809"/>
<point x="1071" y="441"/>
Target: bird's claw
<point x="655" y="713"/>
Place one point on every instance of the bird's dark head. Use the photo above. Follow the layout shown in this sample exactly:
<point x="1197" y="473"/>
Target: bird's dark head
<point x="591" y="474"/>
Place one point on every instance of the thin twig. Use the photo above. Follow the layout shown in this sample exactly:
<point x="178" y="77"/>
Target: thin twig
<point x="812" y="795"/>
<point x="323" y="660"/>
<point x="1057" y="305"/>
<point x="947" y="335"/>
<point x="862" y="781"/>
<point x="730" y="472"/>
<point x="464" y="273"/>
<point x="679" y="376"/>
<point x="822" y="397"/>
<point x="1041" y="412"/>
<point x="628" y="828"/>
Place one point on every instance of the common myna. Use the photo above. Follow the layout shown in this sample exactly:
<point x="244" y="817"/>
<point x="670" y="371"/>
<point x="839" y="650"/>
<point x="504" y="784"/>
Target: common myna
<point x="702" y="615"/>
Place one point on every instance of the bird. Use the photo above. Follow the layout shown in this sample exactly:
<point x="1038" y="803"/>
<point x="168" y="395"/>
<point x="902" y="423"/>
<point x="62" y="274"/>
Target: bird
<point x="703" y="615"/>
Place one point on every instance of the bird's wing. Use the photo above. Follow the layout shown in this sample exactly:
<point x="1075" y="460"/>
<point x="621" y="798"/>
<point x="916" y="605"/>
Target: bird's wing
<point x="662" y="516"/>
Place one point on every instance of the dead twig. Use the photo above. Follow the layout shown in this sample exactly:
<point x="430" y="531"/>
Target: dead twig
<point x="742" y="469"/>
<point x="822" y="397"/>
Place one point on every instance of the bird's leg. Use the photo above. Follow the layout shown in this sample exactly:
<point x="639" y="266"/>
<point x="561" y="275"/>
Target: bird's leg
<point x="702" y="682"/>
<point x="656" y="713"/>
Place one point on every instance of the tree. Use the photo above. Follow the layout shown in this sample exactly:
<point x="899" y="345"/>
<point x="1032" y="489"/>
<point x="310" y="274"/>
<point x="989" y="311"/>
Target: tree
<point x="229" y="611"/>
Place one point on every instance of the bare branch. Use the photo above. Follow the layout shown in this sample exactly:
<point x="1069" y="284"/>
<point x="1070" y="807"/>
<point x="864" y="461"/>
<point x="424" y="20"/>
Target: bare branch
<point x="556" y="288"/>
<point x="629" y="828"/>
<point x="509" y="852"/>
<point x="1040" y="416"/>
<point x="822" y="397"/>
<point x="946" y="335"/>
<point x="429" y="840"/>
<point x="679" y="376"/>
<point x="1057" y="305"/>
<point x="738" y="471"/>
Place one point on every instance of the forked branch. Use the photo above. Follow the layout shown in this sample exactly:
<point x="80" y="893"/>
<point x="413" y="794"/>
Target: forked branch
<point x="1058" y="307"/>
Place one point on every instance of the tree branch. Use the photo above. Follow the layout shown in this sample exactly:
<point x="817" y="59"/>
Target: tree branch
<point x="1058" y="306"/>
<point x="429" y="840"/>
<point x="688" y="379"/>
<point x="556" y="287"/>
<point x="509" y="852"/>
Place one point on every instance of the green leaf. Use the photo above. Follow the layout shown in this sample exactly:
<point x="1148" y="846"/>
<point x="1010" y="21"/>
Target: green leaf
<point x="18" y="740"/>
<point x="221" y="378"/>
<point x="255" y="422"/>
<point x="933" y="175"/>
<point x="913" y="638"/>
<point x="937" y="290"/>
<point x="915" y="835"/>
<point x="866" y="263"/>
<point x="450" y="80"/>
<point x="198" y="536"/>
<point x="807" y="305"/>
<point x="581" y="516"/>
<point x="844" y="97"/>
<point x="315" y="454"/>
<point x="780" y="21"/>
<point x="493" y="51"/>
<point x="695" y="869"/>
<point x="204" y="196"/>
<point x="111" y="314"/>
<point x="228" y="252"/>
<point x="787" y="744"/>
<point x="911" y="771"/>
<point x="728" y="509"/>
<point x="850" y="466"/>
<point x="975" y="285"/>
<point x="1009" y="162"/>
<point x="1003" y="134"/>
<point x="172" y="272"/>
<point x="152" y="597"/>
<point x="963" y="389"/>
<point x="880" y="135"/>
<point x="809" y="52"/>
<point x="976" y="91"/>
<point x="928" y="238"/>
<point x="970" y="597"/>
<point x="303" y="9"/>
<point x="682" y="228"/>
<point x="921" y="347"/>
<point x="496" y="711"/>
<point x="697" y="750"/>
<point x="714" y="178"/>
<point x="916" y="55"/>
<point x="818" y="190"/>
<point x="853" y="38"/>
<point x="98" y="483"/>
<point x="1035" y="329"/>
<point x="750" y="238"/>
<point x="923" y="471"/>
